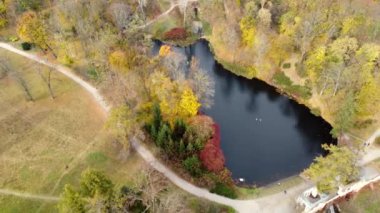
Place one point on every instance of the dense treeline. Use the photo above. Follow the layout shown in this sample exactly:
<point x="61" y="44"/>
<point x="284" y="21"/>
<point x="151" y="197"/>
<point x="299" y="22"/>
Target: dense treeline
<point x="335" y="45"/>
<point x="334" y="48"/>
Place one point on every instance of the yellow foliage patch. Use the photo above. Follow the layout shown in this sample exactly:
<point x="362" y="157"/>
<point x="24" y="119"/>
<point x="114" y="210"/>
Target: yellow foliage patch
<point x="164" y="50"/>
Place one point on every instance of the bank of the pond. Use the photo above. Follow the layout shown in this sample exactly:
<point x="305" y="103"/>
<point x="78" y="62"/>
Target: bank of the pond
<point x="265" y="136"/>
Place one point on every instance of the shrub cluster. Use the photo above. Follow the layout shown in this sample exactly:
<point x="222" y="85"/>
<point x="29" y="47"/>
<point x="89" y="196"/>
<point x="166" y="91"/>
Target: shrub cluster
<point x="225" y="190"/>
<point x="176" y="34"/>
<point x="26" y="46"/>
<point x="195" y="143"/>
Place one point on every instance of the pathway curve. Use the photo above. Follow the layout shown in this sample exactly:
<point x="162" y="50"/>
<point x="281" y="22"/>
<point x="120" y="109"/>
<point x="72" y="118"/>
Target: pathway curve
<point x="372" y="152"/>
<point x="167" y="12"/>
<point x="280" y="202"/>
<point x="28" y="195"/>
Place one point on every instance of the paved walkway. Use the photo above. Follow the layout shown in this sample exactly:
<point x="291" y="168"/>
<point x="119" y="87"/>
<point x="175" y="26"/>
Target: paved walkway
<point x="280" y="202"/>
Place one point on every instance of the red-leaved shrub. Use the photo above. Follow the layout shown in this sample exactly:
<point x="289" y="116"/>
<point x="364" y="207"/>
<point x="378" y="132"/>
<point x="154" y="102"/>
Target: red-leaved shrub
<point x="212" y="155"/>
<point x="176" y="34"/>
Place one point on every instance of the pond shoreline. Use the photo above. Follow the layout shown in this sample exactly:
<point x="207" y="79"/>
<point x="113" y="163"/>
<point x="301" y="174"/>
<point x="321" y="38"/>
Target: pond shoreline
<point x="220" y="61"/>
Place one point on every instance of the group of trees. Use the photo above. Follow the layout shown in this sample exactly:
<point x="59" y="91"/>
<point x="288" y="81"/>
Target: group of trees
<point x="195" y="142"/>
<point x="337" y="169"/>
<point x="336" y="43"/>
<point x="194" y="145"/>
<point x="97" y="193"/>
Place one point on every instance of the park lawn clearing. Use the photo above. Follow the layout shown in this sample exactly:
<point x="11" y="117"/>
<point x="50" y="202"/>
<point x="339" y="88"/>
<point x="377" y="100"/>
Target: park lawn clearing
<point x="47" y="143"/>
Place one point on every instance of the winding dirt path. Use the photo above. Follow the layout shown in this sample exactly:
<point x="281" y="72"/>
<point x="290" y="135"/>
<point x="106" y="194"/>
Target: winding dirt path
<point x="28" y="195"/>
<point x="280" y="202"/>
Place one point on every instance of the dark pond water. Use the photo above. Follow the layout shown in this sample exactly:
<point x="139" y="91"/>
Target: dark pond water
<point x="265" y="136"/>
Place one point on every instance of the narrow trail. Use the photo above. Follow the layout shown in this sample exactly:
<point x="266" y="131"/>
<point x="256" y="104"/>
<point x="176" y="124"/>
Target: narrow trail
<point x="372" y="152"/>
<point x="167" y="12"/>
<point x="29" y="196"/>
<point x="280" y="202"/>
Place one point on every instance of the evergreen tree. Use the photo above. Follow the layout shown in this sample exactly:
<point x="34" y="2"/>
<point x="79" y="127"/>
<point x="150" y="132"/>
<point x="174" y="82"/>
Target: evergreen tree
<point x="182" y="147"/>
<point x="157" y="117"/>
<point x="180" y="127"/>
<point x="190" y="147"/>
<point x="163" y="136"/>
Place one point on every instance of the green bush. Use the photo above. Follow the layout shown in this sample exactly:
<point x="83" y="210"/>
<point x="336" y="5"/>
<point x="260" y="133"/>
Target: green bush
<point x="224" y="190"/>
<point x="13" y="39"/>
<point x="193" y="165"/>
<point x="286" y="65"/>
<point x="23" y="5"/>
<point x="281" y="79"/>
<point x="26" y="46"/>
<point x="302" y="91"/>
<point x="92" y="73"/>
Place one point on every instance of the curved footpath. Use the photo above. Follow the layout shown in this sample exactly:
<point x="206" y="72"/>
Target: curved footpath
<point x="279" y="202"/>
<point x="29" y="196"/>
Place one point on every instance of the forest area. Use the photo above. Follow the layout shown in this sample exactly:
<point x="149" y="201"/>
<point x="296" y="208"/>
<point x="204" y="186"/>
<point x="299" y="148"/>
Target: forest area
<point x="323" y="54"/>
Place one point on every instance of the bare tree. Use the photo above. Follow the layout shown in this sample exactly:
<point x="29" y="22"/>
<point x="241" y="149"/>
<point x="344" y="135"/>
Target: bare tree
<point x="142" y="5"/>
<point x="202" y="84"/>
<point x="47" y="79"/>
<point x="121" y="14"/>
<point x="176" y="63"/>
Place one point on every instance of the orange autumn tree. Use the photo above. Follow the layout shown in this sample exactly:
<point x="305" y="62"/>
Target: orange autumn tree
<point x="212" y="155"/>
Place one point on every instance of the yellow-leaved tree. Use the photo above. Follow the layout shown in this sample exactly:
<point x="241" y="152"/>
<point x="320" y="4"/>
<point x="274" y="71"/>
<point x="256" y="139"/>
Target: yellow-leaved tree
<point x="3" y="15"/>
<point x="188" y="105"/>
<point x="31" y="29"/>
<point x="164" y="50"/>
<point x="248" y="31"/>
<point x="119" y="60"/>
<point x="175" y="101"/>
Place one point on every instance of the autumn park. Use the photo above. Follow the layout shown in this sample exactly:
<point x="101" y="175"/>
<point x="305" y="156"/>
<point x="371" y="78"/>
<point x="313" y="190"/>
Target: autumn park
<point x="189" y="106"/>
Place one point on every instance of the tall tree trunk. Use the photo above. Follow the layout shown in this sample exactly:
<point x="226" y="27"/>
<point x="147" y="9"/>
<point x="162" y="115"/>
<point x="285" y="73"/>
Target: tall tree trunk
<point x="337" y="83"/>
<point x="47" y="80"/>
